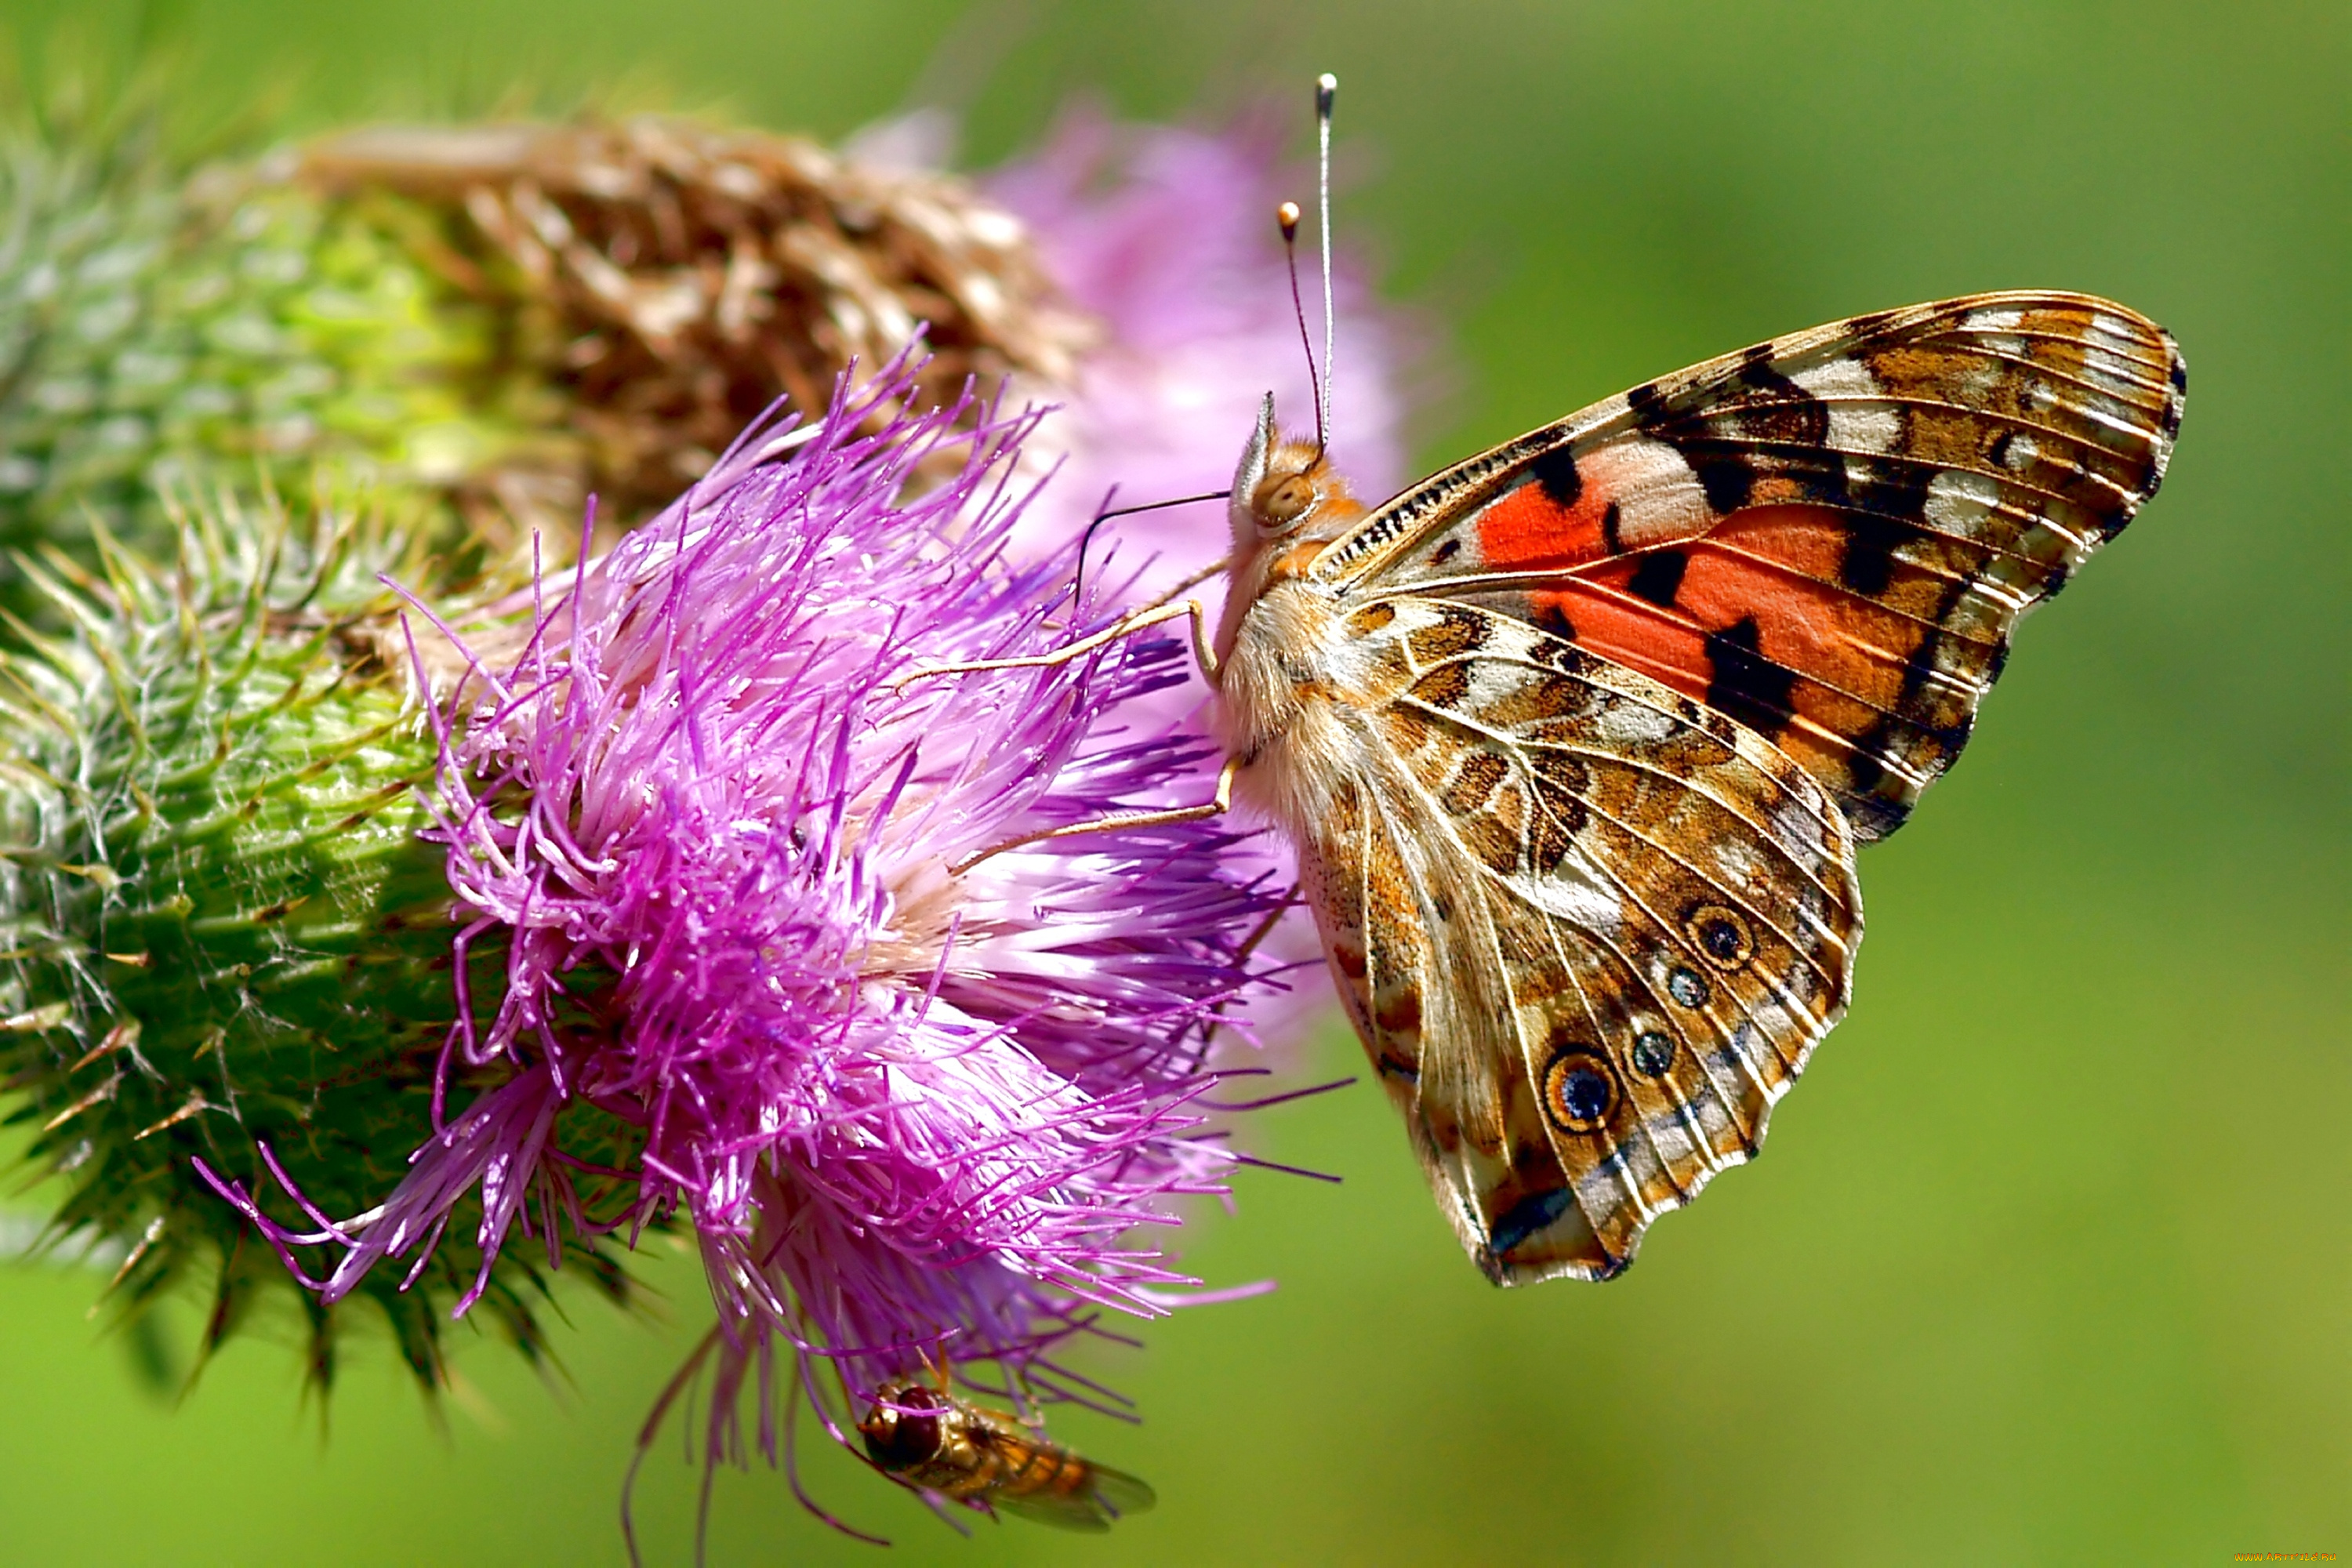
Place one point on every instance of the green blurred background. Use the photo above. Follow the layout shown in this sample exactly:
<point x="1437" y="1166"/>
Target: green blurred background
<point x="2051" y="1259"/>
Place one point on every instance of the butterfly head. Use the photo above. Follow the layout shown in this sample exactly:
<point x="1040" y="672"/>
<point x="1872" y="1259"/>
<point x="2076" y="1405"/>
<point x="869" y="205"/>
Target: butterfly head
<point x="1285" y="489"/>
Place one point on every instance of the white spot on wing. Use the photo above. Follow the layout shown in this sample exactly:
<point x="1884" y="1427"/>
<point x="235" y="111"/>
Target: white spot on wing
<point x="1492" y="681"/>
<point x="1958" y="501"/>
<point x="1860" y="420"/>
<point x="1993" y="321"/>
<point x="1629" y="724"/>
<point x="1658" y="498"/>
<point x="1574" y="893"/>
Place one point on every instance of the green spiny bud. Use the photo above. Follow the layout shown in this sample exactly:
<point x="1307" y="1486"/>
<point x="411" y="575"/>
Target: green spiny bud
<point x="226" y="933"/>
<point x="156" y="331"/>
<point x="223" y="931"/>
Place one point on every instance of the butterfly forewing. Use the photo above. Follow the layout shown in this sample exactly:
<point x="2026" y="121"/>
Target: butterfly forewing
<point x="1590" y="931"/>
<point x="1827" y="538"/>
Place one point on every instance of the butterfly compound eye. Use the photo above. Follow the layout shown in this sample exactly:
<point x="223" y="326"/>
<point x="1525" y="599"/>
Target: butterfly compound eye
<point x="1281" y="499"/>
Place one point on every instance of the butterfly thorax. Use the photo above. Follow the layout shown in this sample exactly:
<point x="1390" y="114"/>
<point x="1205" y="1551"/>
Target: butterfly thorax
<point x="1281" y="691"/>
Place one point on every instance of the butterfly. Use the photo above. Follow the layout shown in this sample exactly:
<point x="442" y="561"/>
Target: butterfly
<point x="1576" y="739"/>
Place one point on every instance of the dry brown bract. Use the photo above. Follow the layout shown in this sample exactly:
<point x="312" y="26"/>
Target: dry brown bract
<point x="673" y="279"/>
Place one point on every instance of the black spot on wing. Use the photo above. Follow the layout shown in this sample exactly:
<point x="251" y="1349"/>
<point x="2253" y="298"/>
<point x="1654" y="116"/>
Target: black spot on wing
<point x="1890" y="487"/>
<point x="1553" y="621"/>
<point x="1746" y="685"/>
<point x="1556" y="472"/>
<point x="1659" y="576"/>
<point x="1725" y="473"/>
<point x="1613" y="517"/>
<point x="1867" y="567"/>
<point x="1864" y="770"/>
<point x="1773" y="425"/>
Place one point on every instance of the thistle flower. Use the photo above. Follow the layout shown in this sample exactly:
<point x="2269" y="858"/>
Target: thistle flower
<point x="914" y="1090"/>
<point x="479" y="325"/>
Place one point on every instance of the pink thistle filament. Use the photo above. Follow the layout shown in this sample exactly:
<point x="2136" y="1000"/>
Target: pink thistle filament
<point x="910" y="1111"/>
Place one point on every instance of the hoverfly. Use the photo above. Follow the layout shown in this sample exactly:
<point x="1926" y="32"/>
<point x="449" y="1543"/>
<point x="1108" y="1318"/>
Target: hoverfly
<point x="937" y="1442"/>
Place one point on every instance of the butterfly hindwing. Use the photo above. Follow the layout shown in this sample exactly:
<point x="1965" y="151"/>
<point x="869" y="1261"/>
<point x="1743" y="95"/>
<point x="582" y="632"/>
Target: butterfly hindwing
<point x="1828" y="537"/>
<point x="1589" y="931"/>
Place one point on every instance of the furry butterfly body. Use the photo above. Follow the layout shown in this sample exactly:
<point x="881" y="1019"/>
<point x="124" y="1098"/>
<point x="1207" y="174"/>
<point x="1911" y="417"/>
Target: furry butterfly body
<point x="1576" y="739"/>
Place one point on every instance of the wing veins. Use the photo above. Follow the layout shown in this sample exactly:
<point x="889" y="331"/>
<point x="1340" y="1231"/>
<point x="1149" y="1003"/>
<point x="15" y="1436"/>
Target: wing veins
<point x="1813" y="808"/>
<point x="1681" y="944"/>
<point x="1829" y="738"/>
<point x="1529" y="1070"/>
<point x="1451" y="1166"/>
<point x="2129" y="498"/>
<point x="1763" y="830"/>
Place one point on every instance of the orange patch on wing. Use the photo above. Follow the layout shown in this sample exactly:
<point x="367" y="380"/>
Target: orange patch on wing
<point x="1527" y="531"/>
<point x="1776" y="565"/>
<point x="1660" y="644"/>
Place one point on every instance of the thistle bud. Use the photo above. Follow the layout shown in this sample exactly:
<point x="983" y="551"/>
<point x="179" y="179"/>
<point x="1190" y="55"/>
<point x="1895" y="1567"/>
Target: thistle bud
<point x="161" y="330"/>
<point x="225" y="938"/>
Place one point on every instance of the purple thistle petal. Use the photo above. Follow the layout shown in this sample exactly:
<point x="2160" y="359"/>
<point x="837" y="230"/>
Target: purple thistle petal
<point x="909" y="1112"/>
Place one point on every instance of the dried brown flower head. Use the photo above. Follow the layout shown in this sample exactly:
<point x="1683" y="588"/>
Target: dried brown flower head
<point x="672" y="279"/>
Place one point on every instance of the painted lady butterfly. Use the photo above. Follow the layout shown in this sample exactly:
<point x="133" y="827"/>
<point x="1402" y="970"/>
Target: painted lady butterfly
<point x="1576" y="739"/>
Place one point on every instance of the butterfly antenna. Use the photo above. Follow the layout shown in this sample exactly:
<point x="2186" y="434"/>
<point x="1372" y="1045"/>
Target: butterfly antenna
<point x="1105" y="512"/>
<point x="1327" y="92"/>
<point x="1287" y="215"/>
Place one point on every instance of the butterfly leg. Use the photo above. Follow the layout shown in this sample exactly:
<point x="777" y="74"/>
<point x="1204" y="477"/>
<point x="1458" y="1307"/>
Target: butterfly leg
<point x="1216" y="1018"/>
<point x="1202" y="651"/>
<point x="1119" y="821"/>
